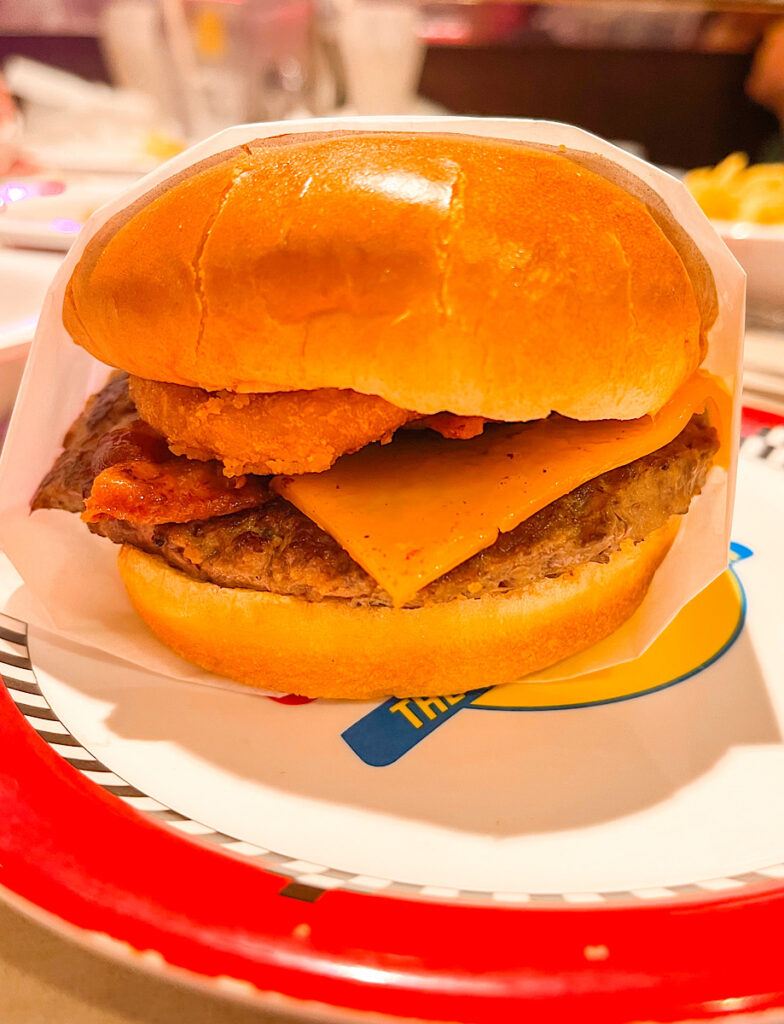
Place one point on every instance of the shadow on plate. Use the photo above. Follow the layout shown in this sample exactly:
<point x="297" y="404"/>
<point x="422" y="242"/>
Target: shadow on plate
<point x="498" y="773"/>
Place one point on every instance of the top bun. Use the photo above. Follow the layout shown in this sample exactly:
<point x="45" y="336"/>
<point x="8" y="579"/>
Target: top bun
<point x="441" y="272"/>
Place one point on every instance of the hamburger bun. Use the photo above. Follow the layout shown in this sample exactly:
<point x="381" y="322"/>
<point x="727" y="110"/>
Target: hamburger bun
<point x="440" y="272"/>
<point x="331" y="649"/>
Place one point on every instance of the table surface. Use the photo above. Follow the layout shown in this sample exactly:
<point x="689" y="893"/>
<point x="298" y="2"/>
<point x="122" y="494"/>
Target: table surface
<point x="45" y="979"/>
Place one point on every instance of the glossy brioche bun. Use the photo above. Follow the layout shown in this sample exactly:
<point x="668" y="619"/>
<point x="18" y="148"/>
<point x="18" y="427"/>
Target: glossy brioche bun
<point x="331" y="649"/>
<point x="439" y="272"/>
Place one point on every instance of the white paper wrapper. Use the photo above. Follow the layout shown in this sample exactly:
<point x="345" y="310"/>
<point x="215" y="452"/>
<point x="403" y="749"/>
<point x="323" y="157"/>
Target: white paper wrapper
<point x="71" y="584"/>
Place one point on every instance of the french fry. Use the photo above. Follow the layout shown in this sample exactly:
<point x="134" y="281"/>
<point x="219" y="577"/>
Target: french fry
<point x="733" y="190"/>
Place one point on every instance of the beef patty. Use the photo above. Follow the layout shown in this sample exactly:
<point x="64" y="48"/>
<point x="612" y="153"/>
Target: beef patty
<point x="276" y="548"/>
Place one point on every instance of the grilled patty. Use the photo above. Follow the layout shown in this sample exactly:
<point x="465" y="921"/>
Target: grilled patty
<point x="276" y="548"/>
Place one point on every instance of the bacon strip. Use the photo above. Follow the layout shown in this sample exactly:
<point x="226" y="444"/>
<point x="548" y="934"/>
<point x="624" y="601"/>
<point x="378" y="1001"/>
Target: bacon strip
<point x="145" y="492"/>
<point x="447" y="424"/>
<point x="137" y="479"/>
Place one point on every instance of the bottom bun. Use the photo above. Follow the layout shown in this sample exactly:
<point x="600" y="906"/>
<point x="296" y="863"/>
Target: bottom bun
<point x="331" y="649"/>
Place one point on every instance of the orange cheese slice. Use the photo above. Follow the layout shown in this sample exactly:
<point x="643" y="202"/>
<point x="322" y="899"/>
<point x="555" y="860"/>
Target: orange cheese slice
<point x="410" y="511"/>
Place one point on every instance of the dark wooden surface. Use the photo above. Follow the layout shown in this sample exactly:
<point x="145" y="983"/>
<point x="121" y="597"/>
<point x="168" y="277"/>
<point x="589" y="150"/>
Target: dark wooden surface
<point x="80" y="54"/>
<point x="686" y="108"/>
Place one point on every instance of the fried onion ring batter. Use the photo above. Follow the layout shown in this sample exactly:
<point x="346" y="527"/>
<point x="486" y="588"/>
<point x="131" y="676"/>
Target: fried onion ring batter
<point x="287" y="432"/>
<point x="282" y="432"/>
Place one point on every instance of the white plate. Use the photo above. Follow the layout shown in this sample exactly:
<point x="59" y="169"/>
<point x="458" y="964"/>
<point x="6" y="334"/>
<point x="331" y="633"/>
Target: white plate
<point x="116" y="156"/>
<point x="702" y="760"/>
<point x="24" y="279"/>
<point x="52" y="222"/>
<point x="539" y="830"/>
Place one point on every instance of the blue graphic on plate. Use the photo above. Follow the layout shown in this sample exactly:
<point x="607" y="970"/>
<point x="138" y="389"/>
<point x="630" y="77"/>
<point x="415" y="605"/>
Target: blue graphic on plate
<point x="699" y="635"/>
<point x="394" y="727"/>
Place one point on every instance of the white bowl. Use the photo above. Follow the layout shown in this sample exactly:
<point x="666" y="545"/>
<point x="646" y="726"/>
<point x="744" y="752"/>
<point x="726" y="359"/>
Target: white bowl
<point x="759" y="248"/>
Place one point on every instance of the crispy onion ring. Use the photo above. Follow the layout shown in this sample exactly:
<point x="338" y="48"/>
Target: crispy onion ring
<point x="284" y="432"/>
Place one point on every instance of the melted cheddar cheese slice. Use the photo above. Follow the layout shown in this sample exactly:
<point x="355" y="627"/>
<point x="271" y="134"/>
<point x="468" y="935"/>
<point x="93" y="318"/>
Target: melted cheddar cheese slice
<point x="410" y="511"/>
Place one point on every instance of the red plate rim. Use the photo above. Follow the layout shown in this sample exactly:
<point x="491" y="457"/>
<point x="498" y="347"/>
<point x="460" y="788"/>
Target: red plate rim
<point x="80" y="855"/>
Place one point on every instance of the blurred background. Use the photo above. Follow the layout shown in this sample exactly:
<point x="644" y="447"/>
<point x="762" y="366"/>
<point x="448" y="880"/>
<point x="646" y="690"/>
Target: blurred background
<point x="94" y="93"/>
<point x="674" y="78"/>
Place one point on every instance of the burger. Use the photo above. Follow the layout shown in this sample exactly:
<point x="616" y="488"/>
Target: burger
<point x="391" y="413"/>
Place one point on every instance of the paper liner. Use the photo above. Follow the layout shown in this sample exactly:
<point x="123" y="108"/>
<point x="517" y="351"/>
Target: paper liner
<point x="71" y="584"/>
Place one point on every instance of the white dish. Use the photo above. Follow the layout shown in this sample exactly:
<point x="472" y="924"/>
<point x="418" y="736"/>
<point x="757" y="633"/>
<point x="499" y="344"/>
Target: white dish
<point x="24" y="279"/>
<point x="52" y="222"/>
<point x="759" y="248"/>
<point x="597" y="846"/>
<point x="695" y="724"/>
<point x="109" y="156"/>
